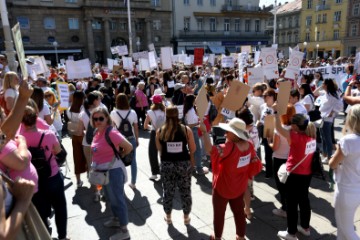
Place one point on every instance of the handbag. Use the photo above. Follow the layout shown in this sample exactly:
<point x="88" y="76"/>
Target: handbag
<point x="97" y="177"/>
<point x="283" y="173"/>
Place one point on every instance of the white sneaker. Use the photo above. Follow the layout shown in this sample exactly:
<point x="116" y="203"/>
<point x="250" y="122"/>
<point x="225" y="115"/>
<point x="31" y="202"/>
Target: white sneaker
<point x="112" y="222"/>
<point x="120" y="235"/>
<point x="286" y="235"/>
<point x="325" y="161"/>
<point x="153" y="177"/>
<point x="279" y="212"/>
<point x="303" y="231"/>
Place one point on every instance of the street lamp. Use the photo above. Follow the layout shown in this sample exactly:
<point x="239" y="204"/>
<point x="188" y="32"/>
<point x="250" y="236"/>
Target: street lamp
<point x="317" y="50"/>
<point x="138" y="45"/>
<point x="56" y="44"/>
<point x="274" y="36"/>
<point x="305" y="53"/>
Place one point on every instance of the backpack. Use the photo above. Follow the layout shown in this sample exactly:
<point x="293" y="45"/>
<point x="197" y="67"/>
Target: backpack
<point x="38" y="159"/>
<point x="89" y="135"/>
<point x="126" y="159"/>
<point x="125" y="127"/>
<point x="213" y="112"/>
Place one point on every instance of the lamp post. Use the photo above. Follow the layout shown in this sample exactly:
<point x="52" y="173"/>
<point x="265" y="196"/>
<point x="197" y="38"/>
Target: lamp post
<point x="274" y="36"/>
<point x="138" y="45"/>
<point x="305" y="44"/>
<point x="259" y="43"/>
<point x="56" y="44"/>
<point x="317" y="50"/>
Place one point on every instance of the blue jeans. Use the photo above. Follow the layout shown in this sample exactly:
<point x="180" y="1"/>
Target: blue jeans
<point x="326" y="138"/>
<point x="133" y="163"/>
<point x="115" y="193"/>
<point x="197" y="154"/>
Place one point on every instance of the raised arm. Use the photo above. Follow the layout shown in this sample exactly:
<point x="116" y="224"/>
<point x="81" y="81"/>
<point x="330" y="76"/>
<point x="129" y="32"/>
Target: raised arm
<point x="347" y="95"/>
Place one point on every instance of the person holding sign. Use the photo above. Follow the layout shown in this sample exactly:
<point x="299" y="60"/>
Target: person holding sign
<point x="302" y="140"/>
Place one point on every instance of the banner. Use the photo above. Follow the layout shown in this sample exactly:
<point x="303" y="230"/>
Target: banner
<point x="336" y="72"/>
<point x="227" y="62"/>
<point x="166" y="58"/>
<point x="122" y="50"/>
<point x="294" y="65"/>
<point x="269" y="61"/>
<point x="20" y="49"/>
<point x="78" y="69"/>
<point x="198" y="56"/>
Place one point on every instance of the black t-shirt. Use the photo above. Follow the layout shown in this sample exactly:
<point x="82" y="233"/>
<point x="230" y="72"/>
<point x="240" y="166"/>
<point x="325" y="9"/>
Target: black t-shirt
<point x="175" y="150"/>
<point x="124" y="88"/>
<point x="170" y="90"/>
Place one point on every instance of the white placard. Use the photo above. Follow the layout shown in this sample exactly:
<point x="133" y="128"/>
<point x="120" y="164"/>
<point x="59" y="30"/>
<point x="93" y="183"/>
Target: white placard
<point x="246" y="49"/>
<point x="257" y="57"/>
<point x="336" y="72"/>
<point x="182" y="58"/>
<point x="227" y="62"/>
<point x="144" y="54"/>
<point x="111" y="63"/>
<point x="211" y="59"/>
<point x="269" y="60"/>
<point x="78" y="69"/>
<point x="152" y="60"/>
<point x="144" y="64"/>
<point x="122" y="50"/>
<point x="228" y="113"/>
<point x="38" y="66"/>
<point x="166" y="62"/>
<point x="127" y="63"/>
<point x="63" y="92"/>
<point x="188" y="61"/>
<point x="175" y="59"/>
<point x="294" y="65"/>
<point x="255" y="75"/>
<point x="242" y="60"/>
<point x="114" y="50"/>
<point x="357" y="63"/>
<point x="62" y="61"/>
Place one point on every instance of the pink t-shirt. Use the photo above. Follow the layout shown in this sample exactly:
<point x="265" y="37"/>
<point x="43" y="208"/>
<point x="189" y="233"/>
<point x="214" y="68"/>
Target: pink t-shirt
<point x="48" y="143"/>
<point x="28" y="173"/>
<point x="40" y="124"/>
<point x="140" y="94"/>
<point x="101" y="150"/>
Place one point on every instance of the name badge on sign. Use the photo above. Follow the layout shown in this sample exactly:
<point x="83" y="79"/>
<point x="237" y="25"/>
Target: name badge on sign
<point x="228" y="113"/>
<point x="310" y="147"/>
<point x="174" y="147"/>
<point x="243" y="161"/>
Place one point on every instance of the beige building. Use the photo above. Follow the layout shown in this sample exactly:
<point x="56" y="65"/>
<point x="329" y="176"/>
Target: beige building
<point x="88" y="28"/>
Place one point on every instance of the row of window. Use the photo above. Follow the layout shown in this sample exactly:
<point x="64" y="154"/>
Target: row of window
<point x="227" y="25"/>
<point x="289" y="38"/>
<point x="201" y="2"/>
<point x="322" y="37"/>
<point x="73" y="24"/>
<point x="321" y="3"/>
<point x="288" y="22"/>
<point x="323" y="18"/>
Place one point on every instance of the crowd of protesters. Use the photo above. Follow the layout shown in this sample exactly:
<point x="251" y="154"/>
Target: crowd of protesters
<point x="118" y="105"/>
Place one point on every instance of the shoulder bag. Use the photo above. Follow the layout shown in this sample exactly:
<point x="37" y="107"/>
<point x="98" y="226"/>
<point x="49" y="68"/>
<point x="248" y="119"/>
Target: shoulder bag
<point x="283" y="174"/>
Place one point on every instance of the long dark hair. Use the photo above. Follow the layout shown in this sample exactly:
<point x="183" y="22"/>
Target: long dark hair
<point x="188" y="103"/>
<point x="78" y="100"/>
<point x="331" y="88"/>
<point x="307" y="90"/>
<point x="38" y="97"/>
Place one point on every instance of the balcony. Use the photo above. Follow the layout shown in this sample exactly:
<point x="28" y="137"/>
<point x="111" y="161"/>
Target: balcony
<point x="239" y="8"/>
<point x="322" y="7"/>
<point x="221" y="34"/>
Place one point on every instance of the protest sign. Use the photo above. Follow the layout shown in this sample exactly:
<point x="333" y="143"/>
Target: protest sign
<point x="144" y="54"/>
<point x="166" y="58"/>
<point x="144" y="64"/>
<point x="127" y="63"/>
<point x="242" y="60"/>
<point x="269" y="126"/>
<point x="20" y="49"/>
<point x="357" y="63"/>
<point x="114" y="50"/>
<point x="152" y="60"/>
<point x="227" y="113"/>
<point x="246" y="49"/>
<point x="117" y="70"/>
<point x="211" y="59"/>
<point x="78" y="69"/>
<point x="63" y="92"/>
<point x="38" y="66"/>
<point x="122" y="50"/>
<point x="111" y="63"/>
<point x="201" y="102"/>
<point x="257" y="57"/>
<point x="283" y="97"/>
<point x="255" y="75"/>
<point x="188" y="61"/>
<point x="198" y="56"/>
<point x="294" y="65"/>
<point x="182" y="58"/>
<point x="269" y="61"/>
<point x="235" y="96"/>
<point x="227" y="62"/>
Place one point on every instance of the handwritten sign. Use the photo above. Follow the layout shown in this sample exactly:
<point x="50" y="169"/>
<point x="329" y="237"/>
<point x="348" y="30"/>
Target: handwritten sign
<point x="122" y="50"/>
<point x="63" y="91"/>
<point x="20" y="49"/>
<point x="227" y="62"/>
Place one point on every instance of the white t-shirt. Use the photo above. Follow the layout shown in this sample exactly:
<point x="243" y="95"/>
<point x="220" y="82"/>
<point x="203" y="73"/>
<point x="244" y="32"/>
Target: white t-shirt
<point x="85" y="120"/>
<point x="264" y="111"/>
<point x="57" y="122"/>
<point x="191" y="117"/>
<point x="284" y="148"/>
<point x="347" y="175"/>
<point x="308" y="100"/>
<point x="117" y="120"/>
<point x="11" y="93"/>
<point x="300" y="108"/>
<point x="157" y="118"/>
<point x="255" y="103"/>
<point x="45" y="111"/>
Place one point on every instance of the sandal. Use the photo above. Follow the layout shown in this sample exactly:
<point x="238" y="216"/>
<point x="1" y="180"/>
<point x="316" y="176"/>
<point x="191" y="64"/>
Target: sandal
<point x="168" y="220"/>
<point x="187" y="220"/>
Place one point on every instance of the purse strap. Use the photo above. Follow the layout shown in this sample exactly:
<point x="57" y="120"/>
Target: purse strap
<point x="108" y="140"/>
<point x="298" y="163"/>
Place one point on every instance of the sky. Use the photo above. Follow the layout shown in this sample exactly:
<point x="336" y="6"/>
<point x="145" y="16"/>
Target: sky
<point x="269" y="2"/>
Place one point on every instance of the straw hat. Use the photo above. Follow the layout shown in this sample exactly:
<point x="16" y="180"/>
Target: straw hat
<point x="158" y="92"/>
<point x="237" y="127"/>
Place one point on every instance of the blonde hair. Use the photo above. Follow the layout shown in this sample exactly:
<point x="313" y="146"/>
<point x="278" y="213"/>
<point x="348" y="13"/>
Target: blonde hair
<point x="51" y="100"/>
<point x="10" y="80"/>
<point x="353" y="120"/>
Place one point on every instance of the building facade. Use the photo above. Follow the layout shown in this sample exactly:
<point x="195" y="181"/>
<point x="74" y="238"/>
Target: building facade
<point x="323" y="27"/>
<point x="219" y="26"/>
<point x="352" y="39"/>
<point x="88" y="28"/>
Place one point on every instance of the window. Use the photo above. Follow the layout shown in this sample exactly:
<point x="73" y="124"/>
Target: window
<point x="71" y="1"/>
<point x="336" y="34"/>
<point x="290" y="22"/>
<point x="186" y="24"/>
<point x="157" y="25"/>
<point x="337" y="16"/>
<point x="213" y="3"/>
<point x="308" y="21"/>
<point x="318" y="18"/>
<point x="296" y="21"/>
<point x="73" y="23"/>
<point x="200" y="24"/>
<point x="138" y="26"/>
<point x="283" y="38"/>
<point x="26" y="39"/>
<point x="289" y="37"/>
<point x="96" y="24"/>
<point x="324" y="18"/>
<point x="155" y="3"/>
<point x="123" y="26"/>
<point x="227" y="25"/>
<point x="49" y="23"/>
<point x="317" y="36"/>
<point x="296" y="37"/>
<point x="187" y="2"/>
<point x="212" y="24"/>
<point x="113" y="25"/>
<point x="307" y="37"/>
<point x="338" y="1"/>
<point x="237" y="25"/>
<point x="309" y="4"/>
<point x="51" y="39"/>
<point x="356" y="7"/>
<point x="228" y="2"/>
<point x="354" y="30"/>
<point x="24" y="22"/>
<point x="247" y="25"/>
<point x="257" y="25"/>
<point x="199" y="2"/>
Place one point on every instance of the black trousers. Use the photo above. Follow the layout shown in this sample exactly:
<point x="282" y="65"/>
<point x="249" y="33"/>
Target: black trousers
<point x="280" y="186"/>
<point x="153" y="154"/>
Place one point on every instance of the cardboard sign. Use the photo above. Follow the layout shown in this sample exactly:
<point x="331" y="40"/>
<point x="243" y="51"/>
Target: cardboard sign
<point x="283" y="97"/>
<point x="294" y="65"/>
<point x="117" y="70"/>
<point x="63" y="92"/>
<point x="78" y="69"/>
<point x="198" y="56"/>
<point x="255" y="75"/>
<point x="235" y="96"/>
<point x="227" y="62"/>
<point x="269" y="126"/>
<point x="20" y="49"/>
<point x="269" y="60"/>
<point x="166" y="62"/>
<point x="201" y="102"/>
<point x="122" y="50"/>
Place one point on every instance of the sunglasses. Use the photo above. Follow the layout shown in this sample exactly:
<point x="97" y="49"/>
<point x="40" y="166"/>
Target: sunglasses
<point x="100" y="119"/>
